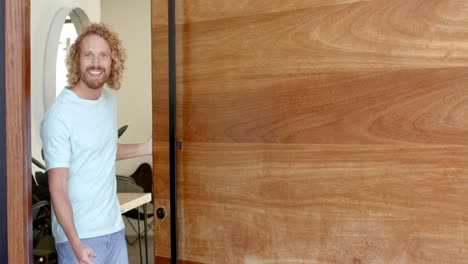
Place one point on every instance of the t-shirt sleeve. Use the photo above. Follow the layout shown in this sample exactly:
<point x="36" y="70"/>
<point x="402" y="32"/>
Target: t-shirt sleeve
<point x="55" y="143"/>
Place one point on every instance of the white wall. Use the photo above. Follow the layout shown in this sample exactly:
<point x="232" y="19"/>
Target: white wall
<point x="132" y="20"/>
<point x="42" y="14"/>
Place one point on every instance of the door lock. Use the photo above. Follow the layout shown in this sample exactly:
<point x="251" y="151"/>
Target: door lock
<point x="161" y="213"/>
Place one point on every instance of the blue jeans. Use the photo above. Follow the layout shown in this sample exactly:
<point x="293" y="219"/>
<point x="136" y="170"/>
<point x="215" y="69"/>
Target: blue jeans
<point x="110" y="248"/>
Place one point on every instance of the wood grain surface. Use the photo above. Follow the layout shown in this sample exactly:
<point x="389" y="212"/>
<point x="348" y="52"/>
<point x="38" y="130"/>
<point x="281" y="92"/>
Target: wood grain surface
<point x="315" y="131"/>
<point x="18" y="135"/>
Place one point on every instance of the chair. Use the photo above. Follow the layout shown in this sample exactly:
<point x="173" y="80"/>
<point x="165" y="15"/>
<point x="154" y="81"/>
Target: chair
<point x="38" y="220"/>
<point x="40" y="183"/>
<point x="140" y="181"/>
<point x="43" y="241"/>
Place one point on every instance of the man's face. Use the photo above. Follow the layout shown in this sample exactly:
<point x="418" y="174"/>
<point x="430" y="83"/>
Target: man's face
<point x="95" y="61"/>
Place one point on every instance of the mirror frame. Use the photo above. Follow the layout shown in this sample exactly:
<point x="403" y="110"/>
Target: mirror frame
<point x="79" y="20"/>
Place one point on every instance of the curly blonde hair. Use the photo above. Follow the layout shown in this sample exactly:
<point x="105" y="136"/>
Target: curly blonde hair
<point x="118" y="55"/>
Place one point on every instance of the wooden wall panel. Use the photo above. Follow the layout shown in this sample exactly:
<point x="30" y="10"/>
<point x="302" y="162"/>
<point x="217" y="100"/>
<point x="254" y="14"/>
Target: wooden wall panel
<point x="272" y="203"/>
<point x="316" y="131"/>
<point x="411" y="106"/>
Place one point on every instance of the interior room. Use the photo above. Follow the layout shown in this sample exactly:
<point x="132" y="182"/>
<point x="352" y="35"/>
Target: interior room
<point x="283" y="131"/>
<point x="50" y="39"/>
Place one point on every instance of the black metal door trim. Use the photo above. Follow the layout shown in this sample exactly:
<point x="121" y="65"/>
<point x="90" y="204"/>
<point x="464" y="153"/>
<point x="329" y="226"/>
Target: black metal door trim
<point x="172" y="128"/>
<point x="3" y="171"/>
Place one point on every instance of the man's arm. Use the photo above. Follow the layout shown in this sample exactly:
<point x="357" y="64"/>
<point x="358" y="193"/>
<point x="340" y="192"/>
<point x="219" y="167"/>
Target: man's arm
<point x="127" y="151"/>
<point x="58" y="187"/>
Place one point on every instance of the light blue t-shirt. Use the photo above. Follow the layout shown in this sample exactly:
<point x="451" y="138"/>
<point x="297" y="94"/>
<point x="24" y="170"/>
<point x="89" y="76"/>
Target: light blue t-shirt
<point x="81" y="135"/>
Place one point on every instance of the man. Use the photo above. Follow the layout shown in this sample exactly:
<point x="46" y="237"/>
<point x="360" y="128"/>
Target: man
<point x="79" y="136"/>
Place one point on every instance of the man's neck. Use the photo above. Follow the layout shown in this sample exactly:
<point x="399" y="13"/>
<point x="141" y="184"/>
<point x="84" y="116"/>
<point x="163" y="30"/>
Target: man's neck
<point x="84" y="92"/>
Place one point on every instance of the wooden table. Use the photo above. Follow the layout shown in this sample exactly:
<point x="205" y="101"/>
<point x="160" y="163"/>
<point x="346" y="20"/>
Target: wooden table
<point x="129" y="201"/>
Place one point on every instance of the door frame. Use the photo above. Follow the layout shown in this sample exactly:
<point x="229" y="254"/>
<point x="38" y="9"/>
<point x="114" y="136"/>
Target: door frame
<point x="18" y="131"/>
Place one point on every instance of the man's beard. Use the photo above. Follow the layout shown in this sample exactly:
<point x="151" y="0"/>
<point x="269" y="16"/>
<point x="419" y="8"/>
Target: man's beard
<point x="95" y="83"/>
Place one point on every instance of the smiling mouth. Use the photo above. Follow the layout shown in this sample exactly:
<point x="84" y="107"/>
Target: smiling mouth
<point x="95" y="73"/>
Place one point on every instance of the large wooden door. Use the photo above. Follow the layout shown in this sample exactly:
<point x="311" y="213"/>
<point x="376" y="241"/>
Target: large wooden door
<point x="315" y="131"/>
